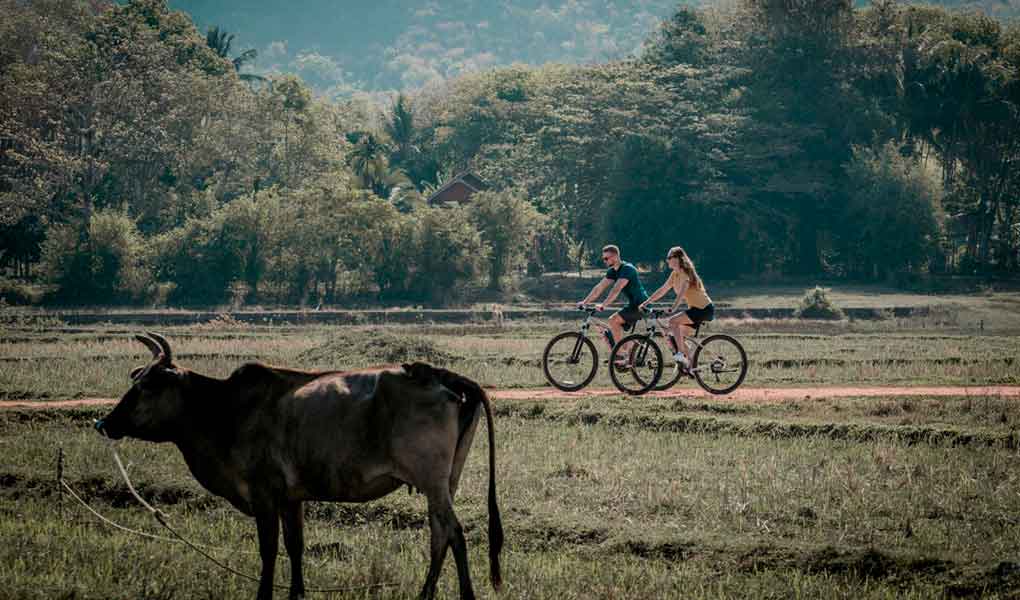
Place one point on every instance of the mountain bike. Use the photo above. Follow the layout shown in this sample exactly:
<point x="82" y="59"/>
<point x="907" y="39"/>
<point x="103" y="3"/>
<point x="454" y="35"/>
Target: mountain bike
<point x="570" y="359"/>
<point x="718" y="363"/>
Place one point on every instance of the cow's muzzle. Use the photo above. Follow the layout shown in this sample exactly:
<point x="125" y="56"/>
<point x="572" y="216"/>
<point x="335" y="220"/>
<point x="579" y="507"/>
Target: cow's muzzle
<point x="104" y="429"/>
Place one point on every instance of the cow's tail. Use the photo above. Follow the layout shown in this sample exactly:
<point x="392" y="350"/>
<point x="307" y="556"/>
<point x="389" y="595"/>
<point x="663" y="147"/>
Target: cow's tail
<point x="475" y="393"/>
<point x="495" y="522"/>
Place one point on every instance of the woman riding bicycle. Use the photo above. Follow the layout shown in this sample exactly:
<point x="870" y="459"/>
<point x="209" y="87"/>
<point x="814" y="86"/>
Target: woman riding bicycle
<point x="684" y="280"/>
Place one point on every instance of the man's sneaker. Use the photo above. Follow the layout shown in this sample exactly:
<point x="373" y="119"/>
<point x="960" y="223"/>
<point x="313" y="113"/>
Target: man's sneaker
<point x="621" y="366"/>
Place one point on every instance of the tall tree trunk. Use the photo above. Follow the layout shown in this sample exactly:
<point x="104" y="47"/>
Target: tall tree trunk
<point x="1007" y="239"/>
<point x="986" y="224"/>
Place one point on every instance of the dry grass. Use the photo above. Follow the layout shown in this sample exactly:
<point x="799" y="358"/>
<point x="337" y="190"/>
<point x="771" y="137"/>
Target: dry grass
<point x="95" y="361"/>
<point x="610" y="497"/>
<point x="590" y="511"/>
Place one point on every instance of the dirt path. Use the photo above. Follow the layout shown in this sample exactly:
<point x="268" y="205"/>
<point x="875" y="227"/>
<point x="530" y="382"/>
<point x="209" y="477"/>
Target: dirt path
<point x="755" y="394"/>
<point x="767" y="394"/>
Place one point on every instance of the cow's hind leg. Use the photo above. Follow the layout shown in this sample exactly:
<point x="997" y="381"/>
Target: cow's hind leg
<point x="445" y="531"/>
<point x="294" y="540"/>
<point x="268" y="524"/>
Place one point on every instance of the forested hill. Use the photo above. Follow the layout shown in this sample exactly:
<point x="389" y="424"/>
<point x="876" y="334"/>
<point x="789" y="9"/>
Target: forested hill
<point x="139" y="162"/>
<point x="338" y="48"/>
<point x="397" y="44"/>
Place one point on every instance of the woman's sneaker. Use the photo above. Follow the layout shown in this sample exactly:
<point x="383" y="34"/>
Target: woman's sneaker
<point x="682" y="361"/>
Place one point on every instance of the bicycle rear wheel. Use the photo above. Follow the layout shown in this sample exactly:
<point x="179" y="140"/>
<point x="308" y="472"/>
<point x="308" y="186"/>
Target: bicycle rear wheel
<point x="643" y="360"/>
<point x="570" y="361"/>
<point x="720" y="364"/>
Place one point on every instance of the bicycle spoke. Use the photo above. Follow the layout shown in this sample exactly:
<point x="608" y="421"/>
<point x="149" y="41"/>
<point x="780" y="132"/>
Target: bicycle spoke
<point x="643" y="361"/>
<point x="721" y="364"/>
<point x="570" y="361"/>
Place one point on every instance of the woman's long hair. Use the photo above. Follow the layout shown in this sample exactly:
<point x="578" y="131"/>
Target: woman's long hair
<point x="686" y="265"/>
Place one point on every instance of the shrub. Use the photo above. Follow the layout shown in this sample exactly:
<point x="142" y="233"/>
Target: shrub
<point x="15" y="292"/>
<point x="206" y="256"/>
<point x="816" y="304"/>
<point x="508" y="224"/>
<point x="555" y="249"/>
<point x="383" y="240"/>
<point x="892" y="213"/>
<point x="450" y="254"/>
<point x="101" y="262"/>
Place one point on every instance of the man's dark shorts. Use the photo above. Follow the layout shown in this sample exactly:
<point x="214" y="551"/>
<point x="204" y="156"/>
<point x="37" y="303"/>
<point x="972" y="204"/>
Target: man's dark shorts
<point x="631" y="315"/>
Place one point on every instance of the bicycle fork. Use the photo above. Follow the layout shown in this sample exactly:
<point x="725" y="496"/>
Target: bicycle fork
<point x="575" y="355"/>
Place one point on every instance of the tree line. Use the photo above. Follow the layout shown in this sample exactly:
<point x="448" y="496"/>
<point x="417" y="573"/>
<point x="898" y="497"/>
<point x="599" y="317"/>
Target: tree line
<point x="138" y="163"/>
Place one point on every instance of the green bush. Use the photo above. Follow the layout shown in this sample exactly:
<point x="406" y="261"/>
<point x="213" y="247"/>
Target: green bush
<point x="552" y="250"/>
<point x="508" y="224"/>
<point x="892" y="213"/>
<point x="816" y="304"/>
<point x="383" y="240"/>
<point x="206" y="256"/>
<point x="100" y="262"/>
<point x="15" y="292"/>
<point x="449" y="254"/>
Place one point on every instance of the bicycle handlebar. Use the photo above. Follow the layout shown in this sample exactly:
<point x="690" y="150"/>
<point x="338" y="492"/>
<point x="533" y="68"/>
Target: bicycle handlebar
<point x="654" y="312"/>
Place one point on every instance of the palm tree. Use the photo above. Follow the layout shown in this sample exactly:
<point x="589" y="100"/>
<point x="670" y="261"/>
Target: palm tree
<point x="399" y="127"/>
<point x="220" y="41"/>
<point x="372" y="168"/>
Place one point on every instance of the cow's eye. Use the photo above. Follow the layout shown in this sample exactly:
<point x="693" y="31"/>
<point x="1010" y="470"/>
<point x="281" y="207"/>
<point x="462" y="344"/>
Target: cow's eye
<point x="157" y="378"/>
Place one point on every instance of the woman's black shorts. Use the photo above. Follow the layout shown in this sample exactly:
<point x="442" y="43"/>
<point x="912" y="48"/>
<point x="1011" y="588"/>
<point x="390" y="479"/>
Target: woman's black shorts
<point x="700" y="315"/>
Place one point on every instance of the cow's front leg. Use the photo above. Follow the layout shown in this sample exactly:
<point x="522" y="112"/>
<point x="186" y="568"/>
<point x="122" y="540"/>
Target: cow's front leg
<point x="294" y="541"/>
<point x="268" y="524"/>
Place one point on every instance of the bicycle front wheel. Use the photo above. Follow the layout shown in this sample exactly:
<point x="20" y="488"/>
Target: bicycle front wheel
<point x="635" y="364"/>
<point x="570" y="361"/>
<point x="720" y="364"/>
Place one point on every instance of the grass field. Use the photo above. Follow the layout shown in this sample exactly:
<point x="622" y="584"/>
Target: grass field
<point x="602" y="497"/>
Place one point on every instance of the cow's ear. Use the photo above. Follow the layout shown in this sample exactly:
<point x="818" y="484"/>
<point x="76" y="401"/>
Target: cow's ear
<point x="420" y="372"/>
<point x="135" y="372"/>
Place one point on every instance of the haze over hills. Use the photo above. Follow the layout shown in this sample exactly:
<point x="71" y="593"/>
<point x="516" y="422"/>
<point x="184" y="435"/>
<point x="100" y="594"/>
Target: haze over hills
<point x="341" y="47"/>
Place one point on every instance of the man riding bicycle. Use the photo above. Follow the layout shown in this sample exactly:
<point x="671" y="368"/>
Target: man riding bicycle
<point x="626" y="279"/>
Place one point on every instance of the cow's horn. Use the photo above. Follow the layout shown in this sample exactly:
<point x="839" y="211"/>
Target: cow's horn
<point x="165" y="345"/>
<point x="151" y="345"/>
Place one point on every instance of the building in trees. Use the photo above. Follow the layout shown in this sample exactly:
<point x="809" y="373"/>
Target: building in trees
<point x="458" y="189"/>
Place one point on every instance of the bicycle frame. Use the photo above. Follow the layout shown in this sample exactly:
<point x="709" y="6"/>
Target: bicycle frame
<point x="589" y="321"/>
<point x="644" y="350"/>
<point x="654" y="323"/>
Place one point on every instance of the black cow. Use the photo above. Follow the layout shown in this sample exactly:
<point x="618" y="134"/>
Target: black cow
<point x="267" y="439"/>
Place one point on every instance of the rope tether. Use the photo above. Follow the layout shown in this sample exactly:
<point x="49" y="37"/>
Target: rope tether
<point x="160" y="516"/>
